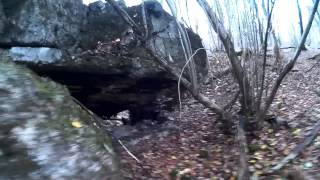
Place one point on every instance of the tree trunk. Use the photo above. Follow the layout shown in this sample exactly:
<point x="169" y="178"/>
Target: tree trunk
<point x="300" y="23"/>
<point x="265" y="47"/>
<point x="244" y="85"/>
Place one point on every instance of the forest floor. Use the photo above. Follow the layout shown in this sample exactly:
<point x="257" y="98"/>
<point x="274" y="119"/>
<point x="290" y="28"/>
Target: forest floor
<point x="194" y="146"/>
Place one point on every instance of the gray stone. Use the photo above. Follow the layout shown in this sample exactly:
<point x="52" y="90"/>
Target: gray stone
<point x="47" y="23"/>
<point x="45" y="135"/>
<point x="69" y="25"/>
<point x="163" y="31"/>
<point x="35" y="55"/>
<point x="68" y="41"/>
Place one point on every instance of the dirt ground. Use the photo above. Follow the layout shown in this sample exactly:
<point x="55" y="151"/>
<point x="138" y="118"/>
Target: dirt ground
<point x="194" y="147"/>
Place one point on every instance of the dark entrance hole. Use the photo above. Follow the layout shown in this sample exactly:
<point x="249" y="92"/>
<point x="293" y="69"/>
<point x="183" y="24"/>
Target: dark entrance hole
<point x="107" y="95"/>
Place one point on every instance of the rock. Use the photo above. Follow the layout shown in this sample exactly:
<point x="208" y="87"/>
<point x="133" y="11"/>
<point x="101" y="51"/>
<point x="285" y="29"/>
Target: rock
<point x="163" y="31"/>
<point x="92" y="51"/>
<point x="101" y="19"/>
<point x="35" y="55"/>
<point x="43" y="23"/>
<point x="45" y="135"/>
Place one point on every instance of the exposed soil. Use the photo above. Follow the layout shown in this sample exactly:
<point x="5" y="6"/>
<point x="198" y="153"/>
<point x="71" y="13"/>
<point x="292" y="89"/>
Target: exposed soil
<point x="194" y="147"/>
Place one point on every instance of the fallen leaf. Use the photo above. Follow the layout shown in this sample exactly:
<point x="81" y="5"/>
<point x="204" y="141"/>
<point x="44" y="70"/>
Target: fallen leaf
<point x="264" y="146"/>
<point x="296" y="132"/>
<point x="258" y="166"/>
<point x="76" y="124"/>
<point x="185" y="171"/>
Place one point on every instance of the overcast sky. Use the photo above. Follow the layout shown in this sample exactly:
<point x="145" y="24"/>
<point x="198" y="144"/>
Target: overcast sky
<point x="285" y="19"/>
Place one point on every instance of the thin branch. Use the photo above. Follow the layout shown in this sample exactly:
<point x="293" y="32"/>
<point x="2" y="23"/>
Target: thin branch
<point x="127" y="150"/>
<point x="180" y="76"/>
<point x="313" y="66"/>
<point x="300" y="22"/>
<point x="265" y="47"/>
<point x="300" y="17"/>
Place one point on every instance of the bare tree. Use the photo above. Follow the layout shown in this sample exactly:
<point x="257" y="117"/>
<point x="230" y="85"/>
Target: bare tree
<point x="218" y="27"/>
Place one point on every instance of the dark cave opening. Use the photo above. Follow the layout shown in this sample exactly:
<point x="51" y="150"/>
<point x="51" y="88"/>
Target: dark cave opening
<point x="107" y="95"/>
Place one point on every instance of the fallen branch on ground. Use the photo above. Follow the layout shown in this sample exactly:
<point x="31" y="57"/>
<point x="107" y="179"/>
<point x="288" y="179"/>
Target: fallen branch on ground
<point x="243" y="171"/>
<point x="298" y="149"/>
<point x="317" y="56"/>
<point x="289" y="47"/>
<point x="313" y="66"/>
<point x="127" y="150"/>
